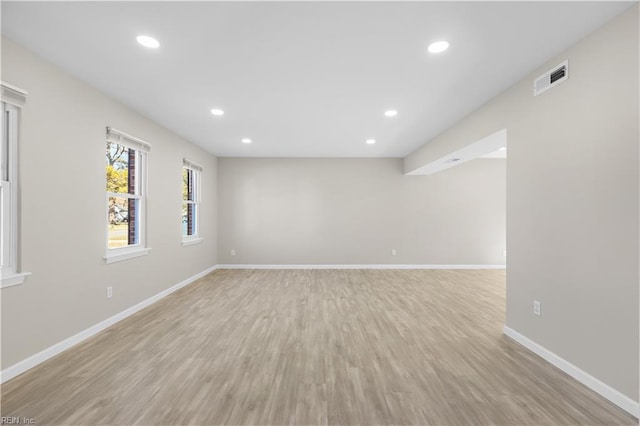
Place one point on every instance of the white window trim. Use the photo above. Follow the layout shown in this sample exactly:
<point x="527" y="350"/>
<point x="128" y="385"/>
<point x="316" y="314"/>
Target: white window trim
<point x="189" y="240"/>
<point x="14" y="98"/>
<point x="191" y="164"/>
<point x="14" y="279"/>
<point x="124" y="253"/>
<point x="122" y="138"/>
<point x="13" y="95"/>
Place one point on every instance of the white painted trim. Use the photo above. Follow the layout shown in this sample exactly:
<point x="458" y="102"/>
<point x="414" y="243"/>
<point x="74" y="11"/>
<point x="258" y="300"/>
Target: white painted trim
<point x="120" y="256"/>
<point x="26" y="364"/>
<point x="192" y="164"/>
<point x="191" y="241"/>
<point x="10" y="223"/>
<point x="13" y="279"/>
<point x="618" y="398"/>
<point x="245" y="266"/>
<point x="122" y="138"/>
<point x="12" y="95"/>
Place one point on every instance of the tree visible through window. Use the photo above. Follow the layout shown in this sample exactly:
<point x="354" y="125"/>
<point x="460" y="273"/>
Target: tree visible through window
<point x="123" y="197"/>
<point x="125" y="171"/>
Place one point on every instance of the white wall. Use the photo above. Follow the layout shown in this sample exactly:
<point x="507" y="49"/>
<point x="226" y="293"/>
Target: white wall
<point x="354" y="211"/>
<point x="62" y="157"/>
<point x="572" y="202"/>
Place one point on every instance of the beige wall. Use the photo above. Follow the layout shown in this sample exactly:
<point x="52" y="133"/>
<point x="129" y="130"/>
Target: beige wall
<point x="572" y="203"/>
<point x="354" y="211"/>
<point x="63" y="210"/>
<point x="572" y="208"/>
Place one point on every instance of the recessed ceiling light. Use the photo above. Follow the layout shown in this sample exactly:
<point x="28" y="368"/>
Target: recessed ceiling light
<point x="438" y="46"/>
<point x="217" y="112"/>
<point x="504" y="148"/>
<point x="391" y="113"/>
<point x="246" y="140"/>
<point x="371" y="141"/>
<point x="147" y="41"/>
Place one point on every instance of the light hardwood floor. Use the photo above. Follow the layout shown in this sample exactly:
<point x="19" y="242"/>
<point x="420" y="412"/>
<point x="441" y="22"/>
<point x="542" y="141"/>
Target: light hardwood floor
<point x="363" y="347"/>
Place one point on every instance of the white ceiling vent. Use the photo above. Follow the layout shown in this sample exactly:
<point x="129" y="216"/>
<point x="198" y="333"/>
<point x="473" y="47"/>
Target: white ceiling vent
<point x="551" y="78"/>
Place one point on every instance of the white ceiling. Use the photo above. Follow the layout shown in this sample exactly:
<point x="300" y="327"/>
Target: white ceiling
<point x="303" y="79"/>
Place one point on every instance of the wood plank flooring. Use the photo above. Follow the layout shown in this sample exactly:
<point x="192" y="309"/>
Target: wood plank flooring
<point x="341" y="347"/>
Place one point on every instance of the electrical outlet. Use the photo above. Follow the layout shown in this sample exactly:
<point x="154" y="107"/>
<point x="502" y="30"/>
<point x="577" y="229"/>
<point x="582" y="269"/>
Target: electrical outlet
<point x="393" y="252"/>
<point x="537" y="308"/>
<point x="233" y="252"/>
<point x="109" y="292"/>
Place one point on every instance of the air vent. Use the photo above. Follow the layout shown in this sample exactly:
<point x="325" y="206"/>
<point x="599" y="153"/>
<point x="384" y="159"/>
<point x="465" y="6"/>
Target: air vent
<point x="551" y="78"/>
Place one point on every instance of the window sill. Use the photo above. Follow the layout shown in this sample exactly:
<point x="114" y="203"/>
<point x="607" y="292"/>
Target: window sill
<point x="192" y="241"/>
<point x="13" y="279"/>
<point x="118" y="257"/>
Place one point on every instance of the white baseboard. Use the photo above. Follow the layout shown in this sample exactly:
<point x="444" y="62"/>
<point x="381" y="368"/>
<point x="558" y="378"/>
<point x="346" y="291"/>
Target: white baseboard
<point x="618" y="398"/>
<point x="245" y="266"/>
<point x="24" y="365"/>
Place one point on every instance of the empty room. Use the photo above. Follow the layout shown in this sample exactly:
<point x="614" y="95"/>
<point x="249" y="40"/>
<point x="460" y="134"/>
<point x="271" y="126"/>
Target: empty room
<point x="308" y="213"/>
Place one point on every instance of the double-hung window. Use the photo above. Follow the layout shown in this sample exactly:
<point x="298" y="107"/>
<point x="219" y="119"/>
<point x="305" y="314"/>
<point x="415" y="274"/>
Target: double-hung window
<point x="126" y="175"/>
<point x="191" y="176"/>
<point x="12" y="101"/>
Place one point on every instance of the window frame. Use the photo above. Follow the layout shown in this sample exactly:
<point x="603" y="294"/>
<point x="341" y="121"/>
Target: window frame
<point x="142" y="150"/>
<point x="196" y="170"/>
<point x="12" y="100"/>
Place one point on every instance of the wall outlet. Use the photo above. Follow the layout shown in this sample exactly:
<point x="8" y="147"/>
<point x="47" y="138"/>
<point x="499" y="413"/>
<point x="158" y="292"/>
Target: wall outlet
<point x="393" y="252"/>
<point x="537" y="309"/>
<point x="233" y="252"/>
<point x="109" y="292"/>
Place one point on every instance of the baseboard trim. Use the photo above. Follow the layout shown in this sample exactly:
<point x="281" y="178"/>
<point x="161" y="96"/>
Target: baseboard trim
<point x="27" y="364"/>
<point x="392" y="266"/>
<point x="618" y="398"/>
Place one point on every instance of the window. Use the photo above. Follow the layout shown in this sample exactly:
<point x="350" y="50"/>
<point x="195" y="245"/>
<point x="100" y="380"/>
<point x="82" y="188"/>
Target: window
<point x="126" y="168"/>
<point x="191" y="173"/>
<point x="12" y="100"/>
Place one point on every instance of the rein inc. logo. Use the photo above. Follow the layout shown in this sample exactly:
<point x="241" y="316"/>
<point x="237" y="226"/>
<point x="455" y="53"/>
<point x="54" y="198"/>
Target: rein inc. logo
<point x="16" y="420"/>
